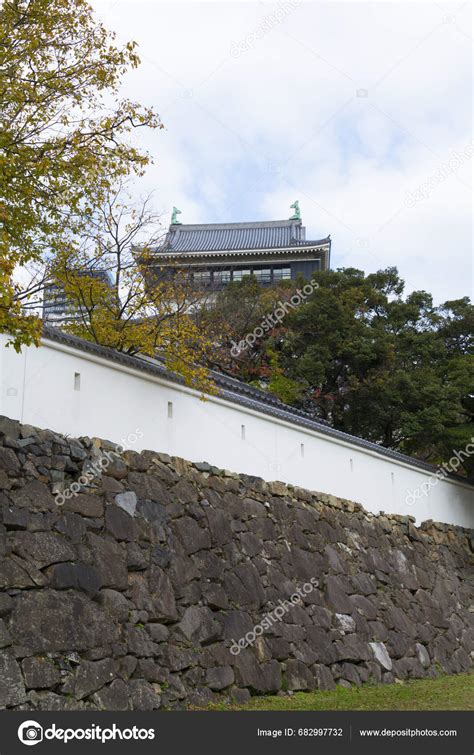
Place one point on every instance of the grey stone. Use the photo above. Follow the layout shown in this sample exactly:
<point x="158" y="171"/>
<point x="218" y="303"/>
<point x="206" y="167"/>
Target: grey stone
<point x="184" y="492"/>
<point x="161" y="556"/>
<point x="116" y="604"/>
<point x="127" y="666"/>
<point x="35" y="495"/>
<point x="148" y="487"/>
<point x="137" y="557"/>
<point x="260" y="678"/>
<point x="92" y="675"/>
<point x="10" y="427"/>
<point x="112" y="697"/>
<point x="323" y="677"/>
<point x="320" y="642"/>
<point x="219" y="526"/>
<point x="85" y="504"/>
<point x="351" y="674"/>
<point x="5" y="637"/>
<point x="423" y="655"/>
<point x="110" y="561"/>
<point x="143" y="696"/>
<point x="244" y="585"/>
<point x="40" y="673"/>
<point x="203" y="466"/>
<point x="240" y="696"/>
<point x="50" y="701"/>
<point x="364" y="606"/>
<point x="215" y="596"/>
<point x="162" y="596"/>
<point x="12" y="688"/>
<point x="381" y="655"/>
<point x="197" y="625"/>
<point x="298" y="676"/>
<point x="192" y="536"/>
<point x="127" y="501"/>
<point x="75" y="575"/>
<point x="378" y="631"/>
<point x="352" y="648"/>
<point x="115" y="468"/>
<point x="51" y="621"/>
<point x="364" y="584"/>
<point x="73" y="526"/>
<point x="220" y="677"/>
<point x="6" y="604"/>
<point x="8" y="460"/>
<point x="336" y="598"/>
<point x="151" y="671"/>
<point x="236" y="625"/>
<point x="119" y="523"/>
<point x="14" y="518"/>
<point x="158" y="632"/>
<point x="400" y="621"/>
<point x="177" y="658"/>
<point x="397" y="644"/>
<point x="14" y="575"/>
<point x="139" y="642"/>
<point x="345" y="623"/>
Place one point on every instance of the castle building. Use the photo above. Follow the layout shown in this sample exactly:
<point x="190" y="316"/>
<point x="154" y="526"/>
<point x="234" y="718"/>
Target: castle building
<point x="214" y="254"/>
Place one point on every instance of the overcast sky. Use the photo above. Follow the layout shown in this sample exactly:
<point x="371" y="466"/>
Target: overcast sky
<point x="362" y="111"/>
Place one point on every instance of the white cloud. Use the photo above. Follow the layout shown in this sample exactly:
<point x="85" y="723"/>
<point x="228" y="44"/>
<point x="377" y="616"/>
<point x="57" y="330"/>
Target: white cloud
<point x="247" y="135"/>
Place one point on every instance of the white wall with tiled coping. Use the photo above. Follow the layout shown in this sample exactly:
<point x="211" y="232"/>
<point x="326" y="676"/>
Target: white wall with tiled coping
<point x="67" y="390"/>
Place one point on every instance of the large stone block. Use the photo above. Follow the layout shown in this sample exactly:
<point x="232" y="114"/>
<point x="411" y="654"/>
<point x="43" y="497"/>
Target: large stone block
<point x="9" y="461"/>
<point x="44" y="548"/>
<point x="260" y="678"/>
<point x="192" y="536"/>
<point x="162" y="596"/>
<point x="220" y="677"/>
<point x="51" y="621"/>
<point x="85" y="505"/>
<point x="119" y="523"/>
<point x="12" y="688"/>
<point x="91" y="676"/>
<point x="76" y="575"/>
<point x="197" y="625"/>
<point x="40" y="673"/>
<point x="110" y="560"/>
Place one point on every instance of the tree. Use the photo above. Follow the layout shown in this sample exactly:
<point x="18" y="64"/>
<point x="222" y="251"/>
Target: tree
<point x="357" y="354"/>
<point x="114" y="300"/>
<point x="233" y="315"/>
<point x="63" y="142"/>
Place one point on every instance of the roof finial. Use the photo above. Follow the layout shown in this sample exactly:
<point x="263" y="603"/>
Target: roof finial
<point x="297" y="212"/>
<point x="176" y="212"/>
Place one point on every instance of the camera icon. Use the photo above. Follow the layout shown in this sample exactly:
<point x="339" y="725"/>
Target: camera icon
<point x="30" y="733"/>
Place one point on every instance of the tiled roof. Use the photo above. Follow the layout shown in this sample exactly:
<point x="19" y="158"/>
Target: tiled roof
<point x="238" y="393"/>
<point x="218" y="237"/>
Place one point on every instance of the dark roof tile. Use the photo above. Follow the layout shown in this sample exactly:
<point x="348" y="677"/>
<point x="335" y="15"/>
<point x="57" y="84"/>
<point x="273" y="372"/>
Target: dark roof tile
<point x="219" y="237"/>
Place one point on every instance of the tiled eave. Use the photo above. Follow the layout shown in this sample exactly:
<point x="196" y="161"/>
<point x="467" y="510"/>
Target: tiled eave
<point x="300" y="251"/>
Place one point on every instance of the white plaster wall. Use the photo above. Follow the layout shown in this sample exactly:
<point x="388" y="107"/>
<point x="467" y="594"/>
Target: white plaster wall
<point x="37" y="387"/>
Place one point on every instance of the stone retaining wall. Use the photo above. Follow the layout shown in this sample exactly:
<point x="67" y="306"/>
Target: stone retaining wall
<point x="165" y="584"/>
